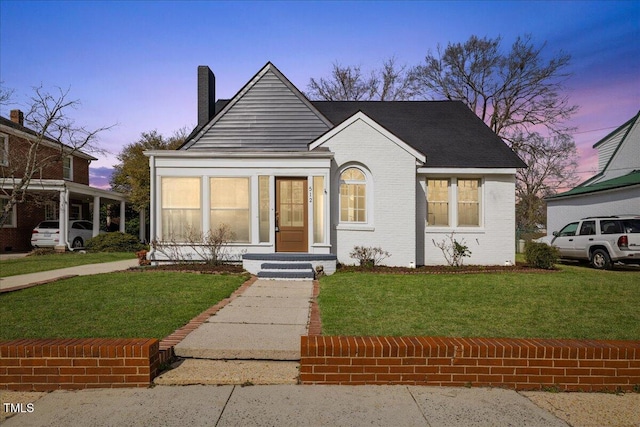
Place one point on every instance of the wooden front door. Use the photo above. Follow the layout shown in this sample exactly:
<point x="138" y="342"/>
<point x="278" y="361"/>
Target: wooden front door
<point x="291" y="215"/>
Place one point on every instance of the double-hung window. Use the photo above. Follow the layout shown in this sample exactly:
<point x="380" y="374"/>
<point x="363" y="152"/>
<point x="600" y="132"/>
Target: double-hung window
<point x="468" y="202"/>
<point x="4" y="150"/>
<point x="67" y="168"/>
<point x="230" y="206"/>
<point x="353" y="196"/>
<point x="181" y="208"/>
<point x="438" y="202"/>
<point x="453" y="202"/>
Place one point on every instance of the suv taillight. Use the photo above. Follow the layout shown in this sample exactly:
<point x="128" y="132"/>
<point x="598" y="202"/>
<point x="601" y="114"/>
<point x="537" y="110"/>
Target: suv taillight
<point x="34" y="232"/>
<point x="623" y="242"/>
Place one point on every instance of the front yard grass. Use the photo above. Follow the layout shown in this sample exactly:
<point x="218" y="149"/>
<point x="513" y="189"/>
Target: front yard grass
<point x="576" y="302"/>
<point x="36" y="263"/>
<point x="113" y="305"/>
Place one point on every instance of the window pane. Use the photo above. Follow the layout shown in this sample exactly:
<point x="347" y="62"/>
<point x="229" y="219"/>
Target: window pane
<point x="468" y="202"/>
<point x="180" y="205"/>
<point x="181" y="193"/>
<point x="318" y="209"/>
<point x="352" y="174"/>
<point x="353" y="203"/>
<point x="230" y="193"/>
<point x="9" y="222"/>
<point x="263" y="196"/>
<point x="438" y="202"/>
<point x="230" y="206"/>
<point x="236" y="219"/>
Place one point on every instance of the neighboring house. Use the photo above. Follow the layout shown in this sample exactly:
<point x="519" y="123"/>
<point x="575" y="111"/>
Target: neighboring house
<point x="614" y="190"/>
<point x="318" y="177"/>
<point x="60" y="190"/>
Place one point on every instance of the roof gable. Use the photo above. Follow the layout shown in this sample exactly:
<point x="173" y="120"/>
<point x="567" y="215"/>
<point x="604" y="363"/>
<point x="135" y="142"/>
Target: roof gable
<point x="360" y="116"/>
<point x="616" y="153"/>
<point x="268" y="113"/>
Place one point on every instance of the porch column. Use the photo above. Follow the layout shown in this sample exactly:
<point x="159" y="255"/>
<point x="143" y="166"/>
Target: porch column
<point x="122" y="216"/>
<point x="96" y="216"/>
<point x="63" y="220"/>
<point x="143" y="226"/>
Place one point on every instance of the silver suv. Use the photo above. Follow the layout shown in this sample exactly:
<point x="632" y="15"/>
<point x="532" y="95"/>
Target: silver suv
<point x="601" y="240"/>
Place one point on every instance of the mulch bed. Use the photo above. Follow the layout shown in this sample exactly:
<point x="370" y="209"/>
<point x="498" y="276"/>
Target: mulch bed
<point x="446" y="269"/>
<point x="195" y="268"/>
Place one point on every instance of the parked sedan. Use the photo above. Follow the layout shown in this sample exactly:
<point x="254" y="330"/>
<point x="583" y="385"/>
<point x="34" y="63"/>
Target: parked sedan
<point x="47" y="234"/>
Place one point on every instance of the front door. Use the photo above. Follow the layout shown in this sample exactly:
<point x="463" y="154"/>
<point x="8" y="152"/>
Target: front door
<point x="291" y="215"/>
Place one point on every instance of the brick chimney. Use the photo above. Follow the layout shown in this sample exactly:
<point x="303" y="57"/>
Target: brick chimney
<point x="17" y="117"/>
<point x="206" y="95"/>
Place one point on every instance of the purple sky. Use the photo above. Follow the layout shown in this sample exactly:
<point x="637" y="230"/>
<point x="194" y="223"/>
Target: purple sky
<point x="134" y="63"/>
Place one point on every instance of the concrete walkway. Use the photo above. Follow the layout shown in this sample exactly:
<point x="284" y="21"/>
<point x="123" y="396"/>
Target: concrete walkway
<point x="22" y="281"/>
<point x="263" y="323"/>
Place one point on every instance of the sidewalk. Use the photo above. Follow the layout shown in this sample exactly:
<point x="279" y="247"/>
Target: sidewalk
<point x="287" y="405"/>
<point x="22" y="281"/>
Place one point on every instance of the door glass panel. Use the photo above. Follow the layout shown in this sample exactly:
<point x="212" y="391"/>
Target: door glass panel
<point x="297" y="219"/>
<point x="285" y="192"/>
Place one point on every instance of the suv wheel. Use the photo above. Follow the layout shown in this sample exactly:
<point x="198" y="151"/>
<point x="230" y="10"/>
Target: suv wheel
<point x="600" y="259"/>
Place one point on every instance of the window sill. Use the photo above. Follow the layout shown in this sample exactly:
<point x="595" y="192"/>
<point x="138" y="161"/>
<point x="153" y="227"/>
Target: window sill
<point x="355" y="227"/>
<point x="457" y="230"/>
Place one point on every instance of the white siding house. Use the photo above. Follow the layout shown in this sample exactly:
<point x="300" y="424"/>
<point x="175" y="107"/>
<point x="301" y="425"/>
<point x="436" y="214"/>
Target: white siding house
<point x="306" y="181"/>
<point x="614" y="190"/>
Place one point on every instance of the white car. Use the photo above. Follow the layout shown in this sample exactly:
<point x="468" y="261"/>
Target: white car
<point x="47" y="234"/>
<point x="601" y="241"/>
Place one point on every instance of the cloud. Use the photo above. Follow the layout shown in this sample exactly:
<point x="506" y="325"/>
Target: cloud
<point x="99" y="177"/>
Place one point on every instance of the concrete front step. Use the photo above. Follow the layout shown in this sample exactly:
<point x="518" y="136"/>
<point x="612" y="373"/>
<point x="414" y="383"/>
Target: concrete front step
<point x="256" y="263"/>
<point x="290" y="270"/>
<point x="286" y="274"/>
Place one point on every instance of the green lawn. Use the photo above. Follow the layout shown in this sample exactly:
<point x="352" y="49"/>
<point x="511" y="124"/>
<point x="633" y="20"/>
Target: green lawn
<point x="576" y="302"/>
<point x="33" y="264"/>
<point x="115" y="305"/>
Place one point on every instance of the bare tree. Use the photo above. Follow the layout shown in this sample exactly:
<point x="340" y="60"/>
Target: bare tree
<point x="5" y="94"/>
<point x="551" y="165"/>
<point x="349" y="83"/>
<point x="511" y="92"/>
<point x="55" y="136"/>
<point x="518" y="94"/>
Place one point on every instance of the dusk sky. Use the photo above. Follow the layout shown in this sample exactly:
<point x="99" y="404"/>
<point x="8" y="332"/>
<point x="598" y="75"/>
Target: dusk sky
<point x="134" y="63"/>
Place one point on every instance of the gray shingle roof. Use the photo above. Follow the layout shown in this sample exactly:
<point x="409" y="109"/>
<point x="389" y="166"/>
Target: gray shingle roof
<point x="447" y="132"/>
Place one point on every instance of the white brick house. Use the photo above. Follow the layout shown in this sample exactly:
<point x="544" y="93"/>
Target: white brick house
<point x="309" y="180"/>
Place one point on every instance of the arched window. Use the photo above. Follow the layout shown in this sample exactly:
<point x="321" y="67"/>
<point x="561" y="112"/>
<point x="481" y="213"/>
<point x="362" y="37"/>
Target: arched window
<point x="353" y="196"/>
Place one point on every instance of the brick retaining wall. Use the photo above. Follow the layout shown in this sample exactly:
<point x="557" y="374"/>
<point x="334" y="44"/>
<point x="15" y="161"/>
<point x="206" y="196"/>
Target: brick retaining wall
<point x="521" y="364"/>
<point x="55" y="364"/>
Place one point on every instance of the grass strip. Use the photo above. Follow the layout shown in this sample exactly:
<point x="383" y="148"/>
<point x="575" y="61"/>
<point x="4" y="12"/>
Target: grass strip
<point x="113" y="305"/>
<point x="576" y="302"/>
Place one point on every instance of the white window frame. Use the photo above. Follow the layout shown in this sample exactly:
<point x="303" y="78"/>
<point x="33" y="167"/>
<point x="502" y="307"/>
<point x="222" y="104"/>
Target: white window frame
<point x="449" y="187"/>
<point x="368" y="224"/>
<point x="248" y="209"/>
<point x="4" y="149"/>
<point x="453" y="204"/>
<point x="163" y="209"/>
<point x="70" y="169"/>
<point x="13" y="217"/>
<point x="51" y="210"/>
